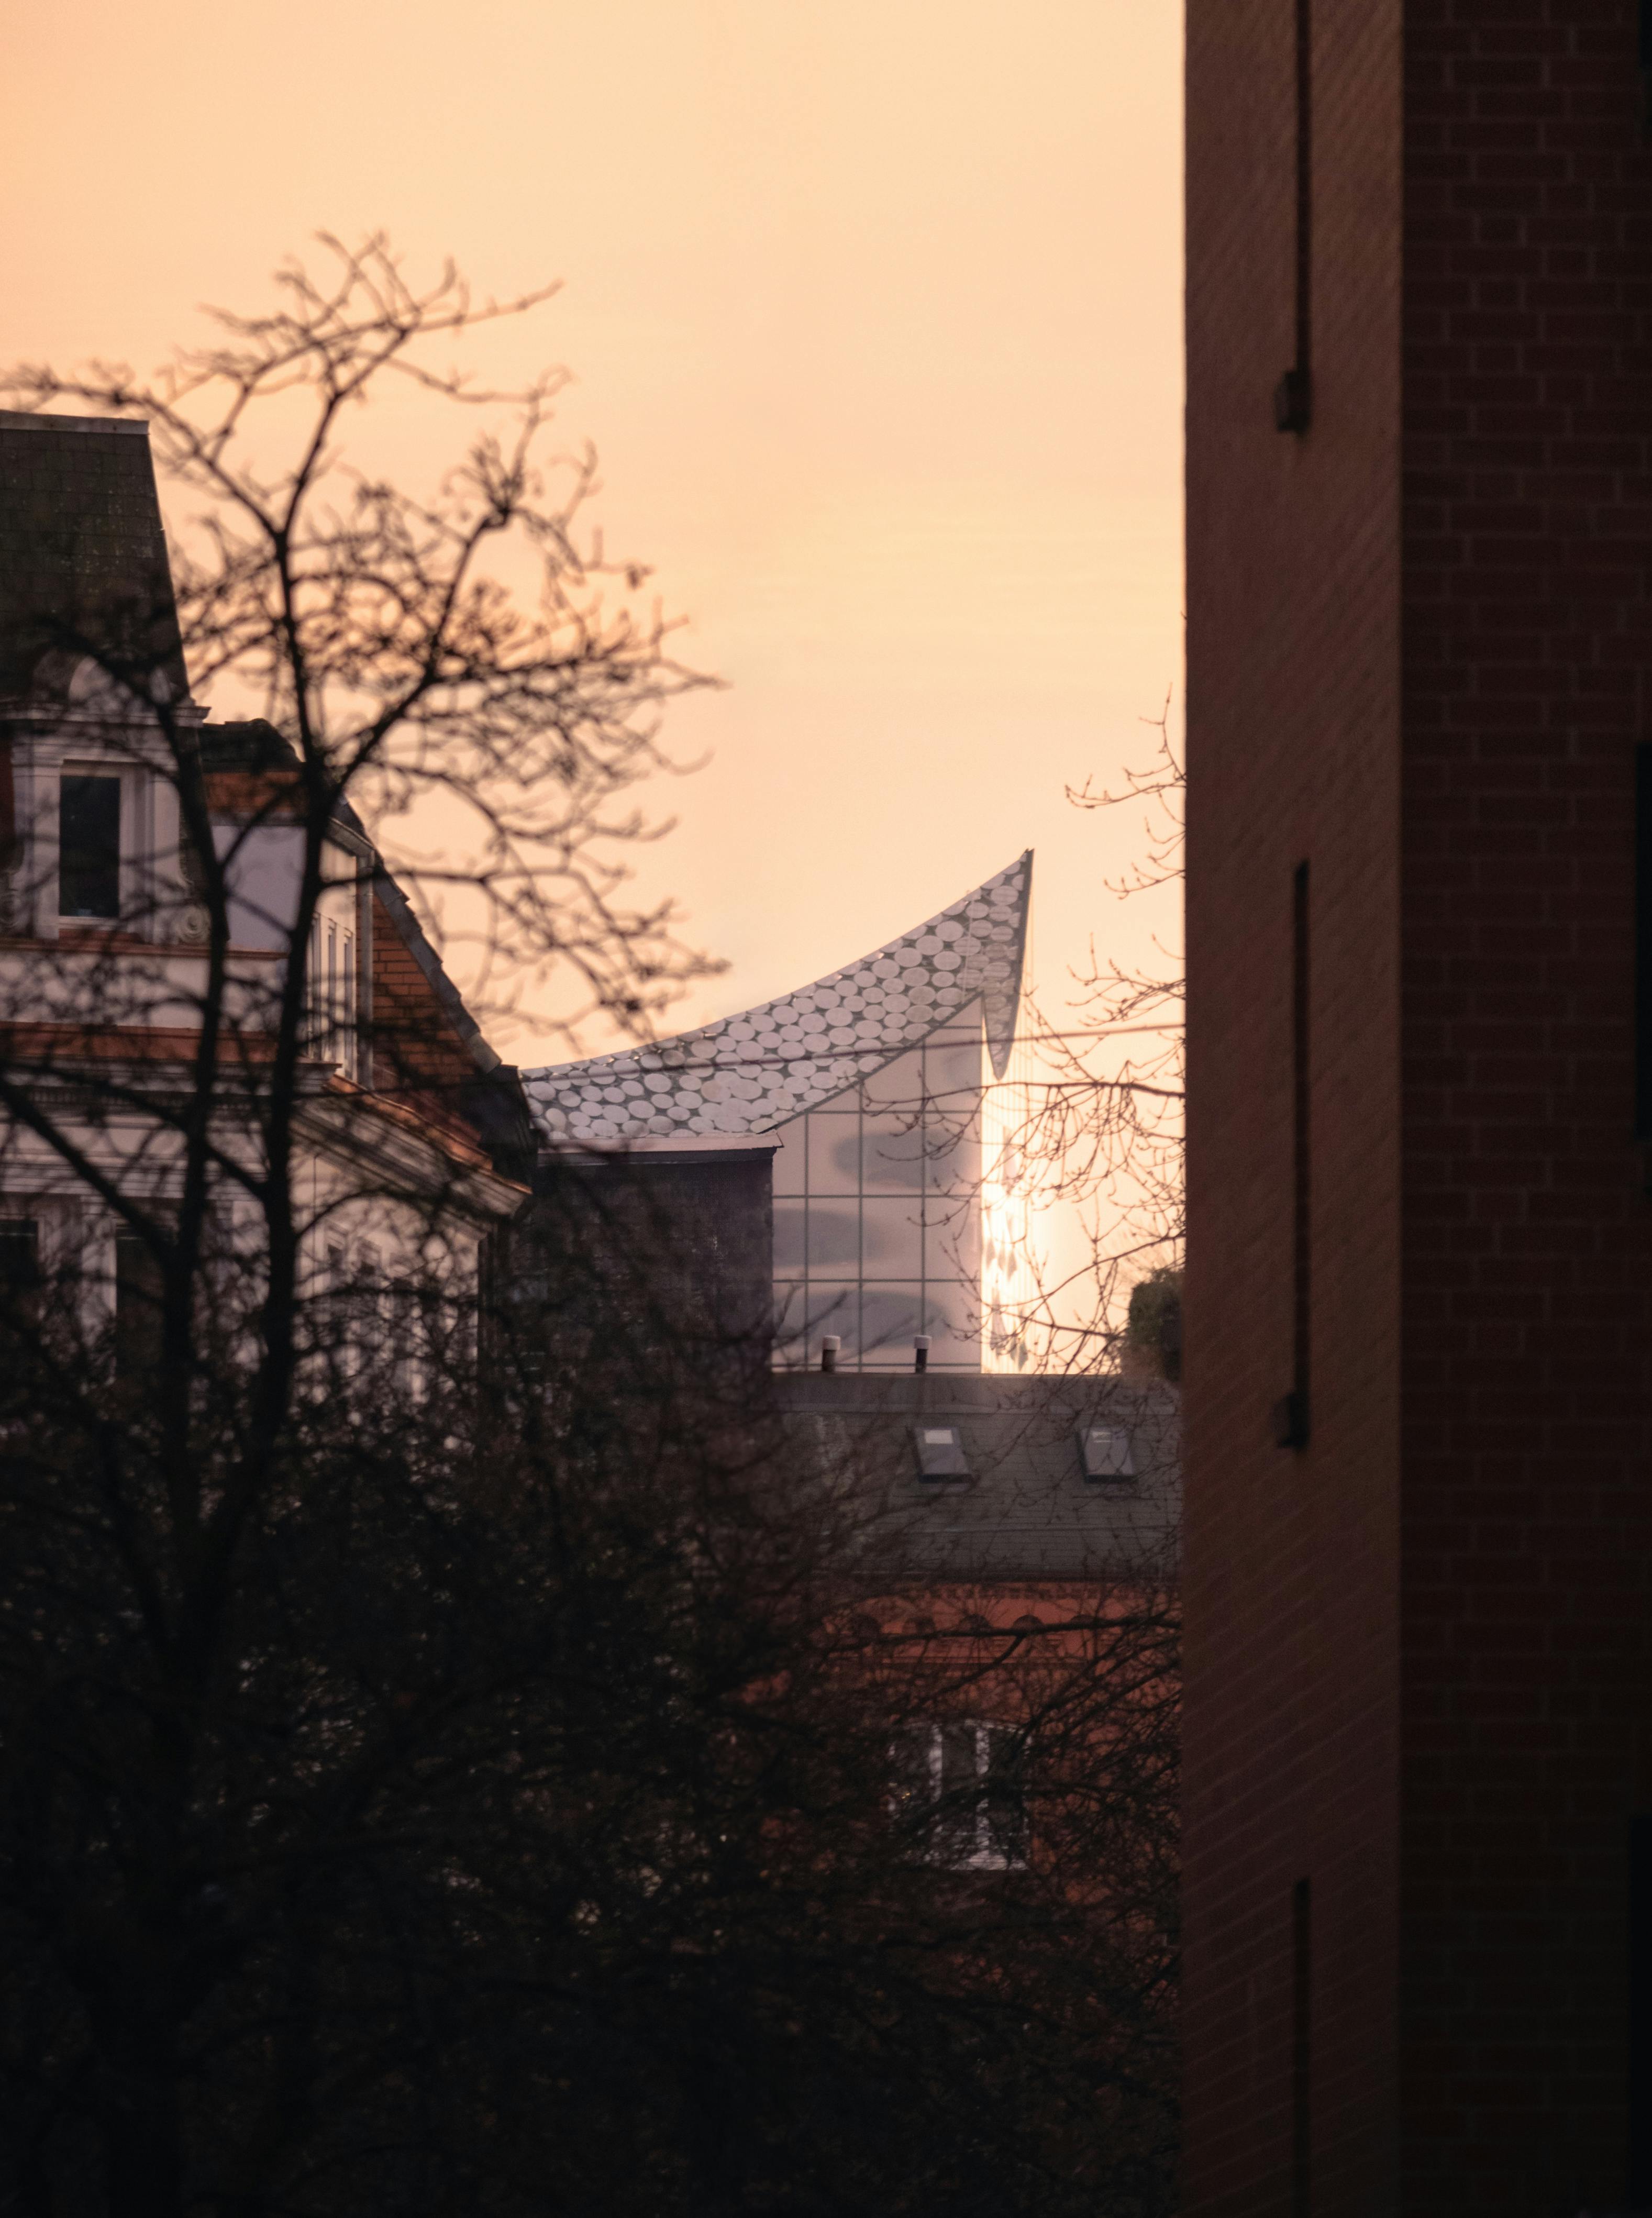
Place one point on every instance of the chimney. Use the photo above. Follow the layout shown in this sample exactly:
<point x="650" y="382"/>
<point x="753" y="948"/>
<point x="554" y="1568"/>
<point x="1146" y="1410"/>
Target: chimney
<point x="830" y="1343"/>
<point x="921" y="1353"/>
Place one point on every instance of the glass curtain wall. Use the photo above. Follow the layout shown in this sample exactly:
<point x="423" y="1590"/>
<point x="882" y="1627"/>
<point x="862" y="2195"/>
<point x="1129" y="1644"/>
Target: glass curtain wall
<point x="878" y="1211"/>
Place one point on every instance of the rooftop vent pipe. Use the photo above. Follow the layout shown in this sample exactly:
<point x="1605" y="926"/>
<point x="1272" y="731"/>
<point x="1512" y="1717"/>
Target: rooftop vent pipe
<point x="830" y="1343"/>
<point x="921" y="1353"/>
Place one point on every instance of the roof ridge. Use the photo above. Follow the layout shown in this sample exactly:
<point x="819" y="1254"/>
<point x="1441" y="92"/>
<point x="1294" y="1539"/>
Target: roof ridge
<point x="758" y="1068"/>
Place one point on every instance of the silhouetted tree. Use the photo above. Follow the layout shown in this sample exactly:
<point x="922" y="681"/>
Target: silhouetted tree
<point x="455" y="1748"/>
<point x="1096" y="1125"/>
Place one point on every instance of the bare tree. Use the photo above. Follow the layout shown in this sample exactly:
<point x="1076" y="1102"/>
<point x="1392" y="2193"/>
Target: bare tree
<point x="527" y="1833"/>
<point x="1096" y="1123"/>
<point x="451" y="1739"/>
<point x="241" y="1100"/>
<point x="379" y="631"/>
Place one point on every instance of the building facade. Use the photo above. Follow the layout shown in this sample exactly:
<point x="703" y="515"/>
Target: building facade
<point x="403" y="1119"/>
<point x="875" y="1090"/>
<point x="1419" y="1298"/>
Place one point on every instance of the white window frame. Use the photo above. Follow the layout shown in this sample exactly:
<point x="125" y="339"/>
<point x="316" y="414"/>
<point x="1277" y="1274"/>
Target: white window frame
<point x="1114" y="1462"/>
<point x="333" y="979"/>
<point x="137" y="838"/>
<point x="964" y="1840"/>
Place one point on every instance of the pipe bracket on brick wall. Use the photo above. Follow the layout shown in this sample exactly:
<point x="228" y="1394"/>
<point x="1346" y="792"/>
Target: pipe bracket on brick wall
<point x="1292" y="401"/>
<point x="1290" y="1420"/>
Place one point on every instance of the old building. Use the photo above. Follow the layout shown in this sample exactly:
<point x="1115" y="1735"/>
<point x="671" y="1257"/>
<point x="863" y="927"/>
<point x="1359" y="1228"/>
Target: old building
<point x="1010" y="1483"/>
<point x="1008" y="1509"/>
<point x="1419" y="1304"/>
<point x="824" y="1179"/>
<point x="403" y="1121"/>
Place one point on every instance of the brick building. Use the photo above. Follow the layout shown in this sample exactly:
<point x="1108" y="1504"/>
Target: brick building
<point x="1419" y="1541"/>
<point x="1011" y="1511"/>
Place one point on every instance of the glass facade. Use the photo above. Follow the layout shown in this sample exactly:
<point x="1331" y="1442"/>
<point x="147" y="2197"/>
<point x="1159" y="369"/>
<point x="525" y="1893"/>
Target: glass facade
<point x="878" y="1212"/>
<point x="1010" y="1309"/>
<point x="898" y="1196"/>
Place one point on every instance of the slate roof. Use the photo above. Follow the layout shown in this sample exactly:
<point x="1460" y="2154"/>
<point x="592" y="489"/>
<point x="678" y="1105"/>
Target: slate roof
<point x="1026" y="1512"/>
<point x="753" y="1072"/>
<point x="83" y="555"/>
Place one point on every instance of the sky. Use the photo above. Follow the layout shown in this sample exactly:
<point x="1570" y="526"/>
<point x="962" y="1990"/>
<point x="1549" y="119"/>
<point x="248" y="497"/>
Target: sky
<point x="874" y="315"/>
<point x="873" y="310"/>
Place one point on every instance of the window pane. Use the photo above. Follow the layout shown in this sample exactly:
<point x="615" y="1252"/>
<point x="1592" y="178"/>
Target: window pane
<point x="899" y="1085"/>
<point x="789" y="1236"/>
<point x="833" y="1236"/>
<point x="893" y="1237"/>
<point x="952" y="1157"/>
<point x="834" y="1307"/>
<point x="789" y="1318"/>
<point x="788" y="1163"/>
<point x="347" y="1002"/>
<point x="137" y="1306"/>
<point x="941" y="1453"/>
<point x="20" y="1261"/>
<point x="912" y="1764"/>
<point x="891" y="1318"/>
<point x="835" y="1152"/>
<point x="88" y="836"/>
<point x="952" y="1324"/>
<point x="959" y="1764"/>
<point x="1005" y="1811"/>
<point x="959" y="1832"/>
<point x="961" y="1237"/>
<point x="1107" y="1452"/>
<point x="894" y="1152"/>
<point x="952" y="1236"/>
<point x="952" y="1075"/>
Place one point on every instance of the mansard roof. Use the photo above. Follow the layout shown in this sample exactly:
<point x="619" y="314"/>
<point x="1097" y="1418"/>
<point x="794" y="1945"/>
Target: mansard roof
<point x="82" y="556"/>
<point x="1024" y="1511"/>
<point x="753" y="1072"/>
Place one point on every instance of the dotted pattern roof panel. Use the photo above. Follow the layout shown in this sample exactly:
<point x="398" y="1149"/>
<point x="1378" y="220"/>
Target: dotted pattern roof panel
<point x="753" y="1072"/>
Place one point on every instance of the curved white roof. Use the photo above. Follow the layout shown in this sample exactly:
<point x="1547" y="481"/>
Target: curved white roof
<point x="751" y="1073"/>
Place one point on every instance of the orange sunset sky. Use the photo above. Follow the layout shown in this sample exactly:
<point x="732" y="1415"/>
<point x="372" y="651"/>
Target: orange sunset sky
<point x="874" y="312"/>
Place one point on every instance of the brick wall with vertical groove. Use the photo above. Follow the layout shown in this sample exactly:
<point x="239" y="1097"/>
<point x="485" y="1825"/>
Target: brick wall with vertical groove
<point x="1528" y="1277"/>
<point x="1293" y="747"/>
<point x="1418" y="640"/>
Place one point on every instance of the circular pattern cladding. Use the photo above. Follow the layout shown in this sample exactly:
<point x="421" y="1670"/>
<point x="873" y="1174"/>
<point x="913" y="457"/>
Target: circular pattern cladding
<point x="749" y="1073"/>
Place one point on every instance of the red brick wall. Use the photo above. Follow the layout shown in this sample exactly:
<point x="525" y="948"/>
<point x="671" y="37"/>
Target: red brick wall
<point x="417" y="1055"/>
<point x="1293" y="707"/>
<point x="1418" y="1651"/>
<point x="1527" y="1434"/>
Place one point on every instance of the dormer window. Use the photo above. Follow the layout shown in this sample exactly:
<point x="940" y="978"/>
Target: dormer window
<point x="940" y="1451"/>
<point x="89" y="847"/>
<point x="1106" y="1452"/>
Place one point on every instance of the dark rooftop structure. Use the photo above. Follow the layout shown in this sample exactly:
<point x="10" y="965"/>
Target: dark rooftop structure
<point x="84" y="565"/>
<point x="1038" y="1479"/>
